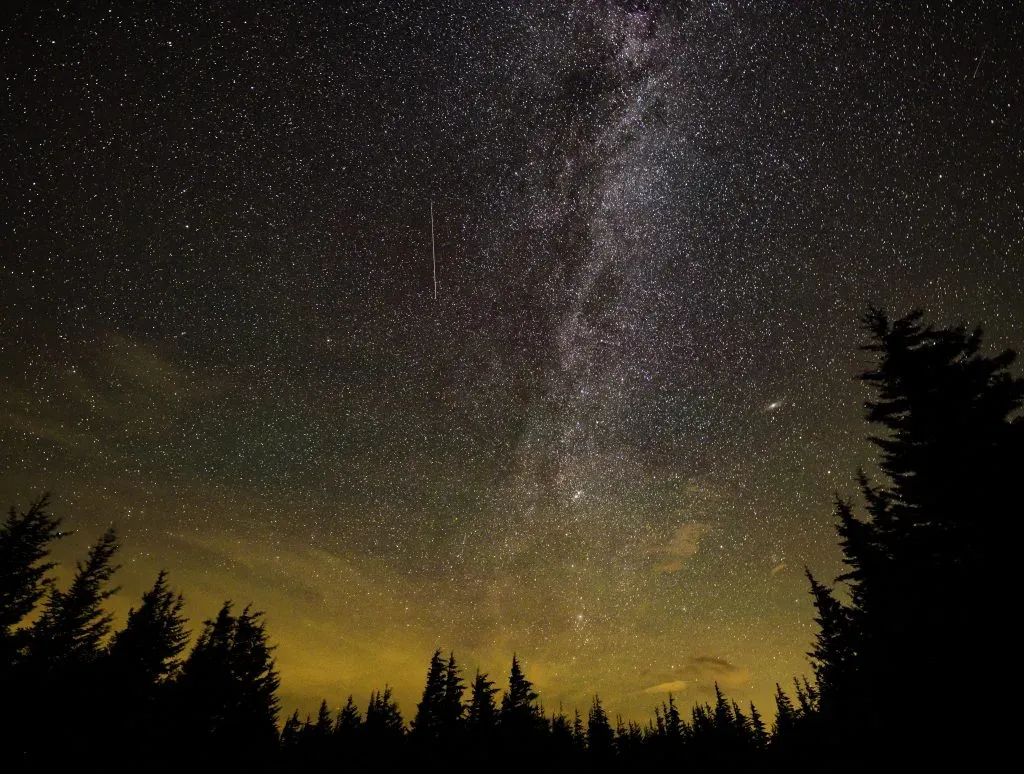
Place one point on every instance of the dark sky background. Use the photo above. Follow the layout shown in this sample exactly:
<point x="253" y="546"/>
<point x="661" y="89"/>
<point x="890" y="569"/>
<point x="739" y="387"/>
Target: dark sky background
<point x="611" y="443"/>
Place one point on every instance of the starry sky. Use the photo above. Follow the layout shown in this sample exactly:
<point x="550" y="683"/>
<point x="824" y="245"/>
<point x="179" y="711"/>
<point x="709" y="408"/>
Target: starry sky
<point x="611" y="443"/>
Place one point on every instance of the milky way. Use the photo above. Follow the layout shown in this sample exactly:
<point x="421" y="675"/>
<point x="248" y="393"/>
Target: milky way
<point x="612" y="442"/>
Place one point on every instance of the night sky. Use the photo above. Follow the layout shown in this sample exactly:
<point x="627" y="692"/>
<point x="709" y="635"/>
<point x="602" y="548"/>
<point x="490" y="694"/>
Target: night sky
<point x="612" y="442"/>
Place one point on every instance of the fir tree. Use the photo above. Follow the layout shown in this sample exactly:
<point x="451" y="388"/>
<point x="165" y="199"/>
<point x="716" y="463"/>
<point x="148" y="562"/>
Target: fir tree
<point x="482" y="709"/>
<point x="785" y="717"/>
<point x="73" y="624"/>
<point x="600" y="737"/>
<point x="25" y="540"/>
<point x="922" y="564"/>
<point x="430" y="711"/>
<point x="759" y="732"/>
<point x="518" y="705"/>
<point x="673" y="723"/>
<point x="145" y="653"/>
<point x="291" y="732"/>
<point x="452" y="708"/>
<point x="383" y="725"/>
<point x="349" y="720"/>
<point x="579" y="735"/>
<point x="228" y="685"/>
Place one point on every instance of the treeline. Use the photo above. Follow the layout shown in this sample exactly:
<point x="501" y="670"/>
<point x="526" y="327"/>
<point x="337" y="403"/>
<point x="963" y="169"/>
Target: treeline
<point x="923" y="573"/>
<point x="134" y="698"/>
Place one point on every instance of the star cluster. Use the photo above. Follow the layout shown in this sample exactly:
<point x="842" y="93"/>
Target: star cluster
<point x="612" y="441"/>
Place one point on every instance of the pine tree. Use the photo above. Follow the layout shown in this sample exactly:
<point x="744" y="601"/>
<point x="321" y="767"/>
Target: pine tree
<point x="924" y="562"/>
<point x="786" y="717"/>
<point x="579" y="735"/>
<point x="324" y="724"/>
<point x="138" y="667"/>
<point x="600" y="738"/>
<point x="452" y="709"/>
<point x="348" y="721"/>
<point x="833" y="656"/>
<point x="430" y="711"/>
<point x="518" y="705"/>
<point x="383" y="724"/>
<point x="759" y="732"/>
<point x="228" y="685"/>
<point x="483" y="712"/>
<point x="291" y="732"/>
<point x="145" y="653"/>
<point x="561" y="733"/>
<point x="73" y="624"/>
<point x="673" y="723"/>
<point x="723" y="717"/>
<point x="25" y="540"/>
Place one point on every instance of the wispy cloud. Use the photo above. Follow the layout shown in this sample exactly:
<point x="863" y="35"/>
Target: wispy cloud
<point x="683" y="544"/>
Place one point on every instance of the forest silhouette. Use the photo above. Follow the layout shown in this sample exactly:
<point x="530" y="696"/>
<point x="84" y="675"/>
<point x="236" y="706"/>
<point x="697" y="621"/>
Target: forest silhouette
<point x="895" y="633"/>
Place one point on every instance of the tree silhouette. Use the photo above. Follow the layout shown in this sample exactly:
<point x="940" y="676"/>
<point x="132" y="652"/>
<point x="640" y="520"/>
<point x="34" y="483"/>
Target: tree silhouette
<point x="920" y="566"/>
<point x="518" y="704"/>
<point x="25" y="539"/>
<point x="227" y="689"/>
<point x="139" y="665"/>
<point x="758" y="730"/>
<point x="383" y="730"/>
<point x="483" y="712"/>
<point x="349" y="720"/>
<point x="600" y="737"/>
<point x="452" y="709"/>
<point x="429" y="712"/>
<point x="145" y="653"/>
<point x="291" y="733"/>
<point x="73" y="623"/>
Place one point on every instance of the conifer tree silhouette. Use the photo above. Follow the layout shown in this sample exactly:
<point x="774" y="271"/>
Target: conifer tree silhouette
<point x="138" y="667"/>
<point x="73" y="623"/>
<point x="291" y="732"/>
<point x="786" y="717"/>
<point x="25" y="539"/>
<point x="759" y="733"/>
<point x="600" y="737"/>
<point x="227" y="689"/>
<point x="924" y="561"/>
<point x="673" y="723"/>
<point x="518" y="704"/>
<point x="452" y="708"/>
<point x="349" y="720"/>
<point x="145" y="652"/>
<point x="383" y="731"/>
<point x="430" y="711"/>
<point x="579" y="734"/>
<point x="483" y="712"/>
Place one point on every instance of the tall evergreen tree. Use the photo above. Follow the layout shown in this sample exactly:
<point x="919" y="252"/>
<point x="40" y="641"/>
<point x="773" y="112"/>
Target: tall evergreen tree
<point x="600" y="737"/>
<point x="785" y="716"/>
<point x="291" y="733"/>
<point x="430" y="711"/>
<point x="228" y="686"/>
<point x="518" y="704"/>
<point x="349" y="720"/>
<point x="452" y="708"/>
<point x="138" y="667"/>
<point x="483" y="712"/>
<point x="73" y="623"/>
<point x="579" y="734"/>
<point x="673" y="723"/>
<point x="145" y="653"/>
<point x="383" y="726"/>
<point x="759" y="732"/>
<point x="924" y="561"/>
<point x="25" y="539"/>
